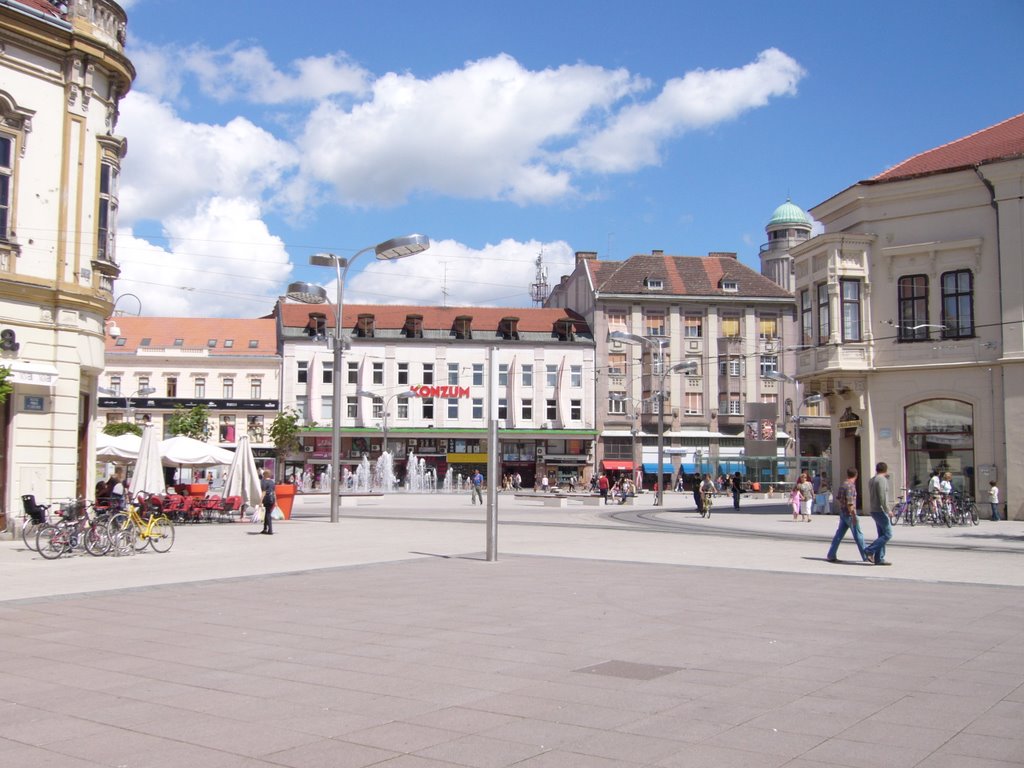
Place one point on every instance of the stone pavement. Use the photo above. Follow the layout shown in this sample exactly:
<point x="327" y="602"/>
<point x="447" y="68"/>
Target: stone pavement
<point x="642" y="639"/>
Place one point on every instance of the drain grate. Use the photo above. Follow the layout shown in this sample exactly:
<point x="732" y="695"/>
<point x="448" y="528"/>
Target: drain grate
<point x="629" y="670"/>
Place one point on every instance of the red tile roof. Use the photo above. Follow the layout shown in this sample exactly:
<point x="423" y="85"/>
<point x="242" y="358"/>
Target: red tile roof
<point x="196" y="333"/>
<point x="43" y="6"/>
<point x="1002" y="141"/>
<point x="683" y="276"/>
<point x="393" y="316"/>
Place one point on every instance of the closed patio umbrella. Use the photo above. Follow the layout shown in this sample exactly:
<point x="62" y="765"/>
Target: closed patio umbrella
<point x="149" y="472"/>
<point x="243" y="479"/>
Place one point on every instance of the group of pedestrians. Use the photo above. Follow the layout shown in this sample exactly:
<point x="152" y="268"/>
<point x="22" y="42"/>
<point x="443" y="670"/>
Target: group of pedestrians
<point x="878" y="506"/>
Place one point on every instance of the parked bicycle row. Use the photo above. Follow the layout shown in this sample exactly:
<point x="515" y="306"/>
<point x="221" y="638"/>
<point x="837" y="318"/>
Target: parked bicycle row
<point x="79" y="525"/>
<point x="925" y="508"/>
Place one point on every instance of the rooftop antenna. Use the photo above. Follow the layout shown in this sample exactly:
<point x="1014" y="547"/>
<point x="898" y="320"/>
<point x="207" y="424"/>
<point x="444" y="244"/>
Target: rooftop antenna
<point x="444" y="286"/>
<point x="539" y="289"/>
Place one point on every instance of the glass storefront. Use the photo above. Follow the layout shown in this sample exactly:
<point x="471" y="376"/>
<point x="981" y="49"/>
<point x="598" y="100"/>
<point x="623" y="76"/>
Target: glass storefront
<point x="940" y="438"/>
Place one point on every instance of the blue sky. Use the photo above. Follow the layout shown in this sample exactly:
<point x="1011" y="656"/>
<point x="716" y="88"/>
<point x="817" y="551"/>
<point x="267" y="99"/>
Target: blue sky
<point x="261" y="132"/>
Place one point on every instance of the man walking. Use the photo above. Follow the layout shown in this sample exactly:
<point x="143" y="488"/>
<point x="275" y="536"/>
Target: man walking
<point x="878" y="497"/>
<point x="846" y="502"/>
<point x="602" y="486"/>
<point x="478" y="481"/>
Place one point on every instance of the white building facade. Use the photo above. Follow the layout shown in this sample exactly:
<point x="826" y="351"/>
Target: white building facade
<point x="416" y="381"/>
<point x="63" y="73"/>
<point x="912" y="305"/>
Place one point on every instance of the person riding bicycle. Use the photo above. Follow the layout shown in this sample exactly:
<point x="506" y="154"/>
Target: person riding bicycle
<point x="707" y="491"/>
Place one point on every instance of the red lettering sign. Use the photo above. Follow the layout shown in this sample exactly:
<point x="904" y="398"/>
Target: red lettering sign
<point x="444" y="391"/>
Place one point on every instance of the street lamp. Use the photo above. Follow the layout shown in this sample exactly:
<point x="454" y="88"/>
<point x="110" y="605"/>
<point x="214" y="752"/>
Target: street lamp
<point x="309" y="293"/>
<point x="387" y="408"/>
<point x="800" y="403"/>
<point x="659" y="344"/>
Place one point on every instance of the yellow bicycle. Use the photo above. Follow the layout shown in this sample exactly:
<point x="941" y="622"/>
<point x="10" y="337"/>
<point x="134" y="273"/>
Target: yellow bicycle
<point x="129" y="529"/>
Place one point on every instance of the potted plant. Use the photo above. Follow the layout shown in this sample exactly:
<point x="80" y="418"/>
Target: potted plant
<point x="285" y="432"/>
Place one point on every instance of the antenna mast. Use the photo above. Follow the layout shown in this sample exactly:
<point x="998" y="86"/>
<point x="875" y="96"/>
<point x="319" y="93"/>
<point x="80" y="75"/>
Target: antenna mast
<point x="539" y="289"/>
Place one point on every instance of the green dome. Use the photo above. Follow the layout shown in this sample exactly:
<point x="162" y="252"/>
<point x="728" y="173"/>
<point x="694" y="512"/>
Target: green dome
<point x="788" y="214"/>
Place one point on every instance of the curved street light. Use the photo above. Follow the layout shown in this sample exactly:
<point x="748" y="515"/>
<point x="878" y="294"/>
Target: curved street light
<point x="388" y="400"/>
<point x="310" y="293"/>
<point x="801" y="401"/>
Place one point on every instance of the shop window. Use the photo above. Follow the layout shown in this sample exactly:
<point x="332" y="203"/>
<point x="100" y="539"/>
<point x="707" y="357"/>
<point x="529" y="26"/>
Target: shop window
<point x="227" y="429"/>
<point x="940" y="438"/>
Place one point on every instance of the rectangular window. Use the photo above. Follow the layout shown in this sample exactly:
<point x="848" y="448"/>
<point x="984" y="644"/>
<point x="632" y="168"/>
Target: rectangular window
<point x="730" y="405"/>
<point x="654" y="323"/>
<point x="453" y="408"/>
<point x="428" y="409"/>
<point x="616" y="406"/>
<point x="115" y="386"/>
<point x="850" y="291"/>
<point x="254" y="427"/>
<point x="353" y="372"/>
<point x="732" y="366"/>
<point x="527" y="410"/>
<point x="503" y="375"/>
<point x="478" y="374"/>
<point x="428" y="373"/>
<point x="617" y="364"/>
<point x="351" y="406"/>
<point x="769" y="328"/>
<point x="502" y="407"/>
<point x="616" y="320"/>
<point x="806" y="319"/>
<point x="229" y="388"/>
<point x="693" y="326"/>
<point x="770" y="399"/>
<point x="528" y="375"/>
<point x="106" y="218"/>
<point x="227" y="429"/>
<point x="6" y="172"/>
<point x="327" y="372"/>
<point x="453" y="374"/>
<point x="403" y="374"/>
<point x="143" y="384"/>
<point x="301" y="405"/>
<point x="693" y="404"/>
<point x="824" y="322"/>
<point x="551" y="376"/>
<point x="478" y="407"/>
<point x="378" y="407"/>
<point x="302" y="371"/>
<point x="200" y="389"/>
<point x="730" y="327"/>
<point x="326" y="407"/>
<point x="403" y="407"/>
<point x="958" y="304"/>
<point x="255" y="389"/>
<point x="172" y="386"/>
<point x="769" y="364"/>
<point x="912" y="309"/>
<point x="378" y="373"/>
<point x="576" y="410"/>
<point x="576" y="376"/>
<point x="551" y="410"/>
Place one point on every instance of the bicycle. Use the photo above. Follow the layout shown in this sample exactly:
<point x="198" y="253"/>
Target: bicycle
<point x="76" y="528"/>
<point x="129" y="529"/>
<point x="35" y="516"/>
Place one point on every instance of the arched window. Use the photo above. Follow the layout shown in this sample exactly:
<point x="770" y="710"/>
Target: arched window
<point x="940" y="438"/>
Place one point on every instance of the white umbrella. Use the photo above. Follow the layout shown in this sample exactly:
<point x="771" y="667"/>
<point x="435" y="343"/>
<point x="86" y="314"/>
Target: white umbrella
<point x="182" y="451"/>
<point x="149" y="473"/>
<point x="243" y="478"/>
<point x="121" y="448"/>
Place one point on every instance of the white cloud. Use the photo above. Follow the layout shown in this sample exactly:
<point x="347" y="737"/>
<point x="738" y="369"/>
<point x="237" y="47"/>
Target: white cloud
<point x="700" y="99"/>
<point x="488" y="130"/>
<point x="220" y="261"/>
<point x="172" y="163"/>
<point x="245" y="74"/>
<point x="498" y="274"/>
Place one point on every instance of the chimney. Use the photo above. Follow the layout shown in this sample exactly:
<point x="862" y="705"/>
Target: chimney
<point x="657" y="252"/>
<point x="722" y="255"/>
<point x="585" y="256"/>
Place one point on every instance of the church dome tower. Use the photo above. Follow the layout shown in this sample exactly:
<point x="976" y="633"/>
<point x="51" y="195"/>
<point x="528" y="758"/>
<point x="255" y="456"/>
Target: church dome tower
<point x="788" y="226"/>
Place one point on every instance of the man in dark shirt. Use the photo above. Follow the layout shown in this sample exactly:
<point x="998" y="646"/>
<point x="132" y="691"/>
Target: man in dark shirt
<point x="846" y="503"/>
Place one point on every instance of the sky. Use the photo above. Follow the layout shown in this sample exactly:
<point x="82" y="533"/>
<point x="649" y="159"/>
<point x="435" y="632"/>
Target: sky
<point x="260" y="133"/>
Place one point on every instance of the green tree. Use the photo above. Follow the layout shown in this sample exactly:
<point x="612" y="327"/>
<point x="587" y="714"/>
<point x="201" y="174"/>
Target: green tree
<point x="118" y="428"/>
<point x="192" y="422"/>
<point x="6" y="387"/>
<point x="285" y="432"/>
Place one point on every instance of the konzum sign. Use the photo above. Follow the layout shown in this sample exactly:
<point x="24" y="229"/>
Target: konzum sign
<point x="440" y="391"/>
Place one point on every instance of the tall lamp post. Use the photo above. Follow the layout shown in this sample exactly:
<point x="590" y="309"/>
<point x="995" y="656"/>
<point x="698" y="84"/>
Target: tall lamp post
<point x="387" y="410"/>
<point x="659" y="344"/>
<point x="800" y="403"/>
<point x="634" y="420"/>
<point x="310" y="293"/>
